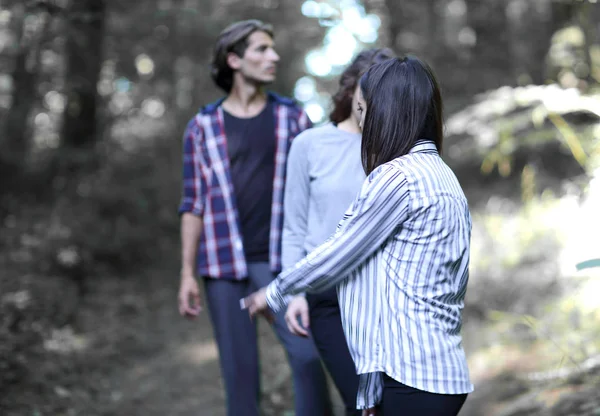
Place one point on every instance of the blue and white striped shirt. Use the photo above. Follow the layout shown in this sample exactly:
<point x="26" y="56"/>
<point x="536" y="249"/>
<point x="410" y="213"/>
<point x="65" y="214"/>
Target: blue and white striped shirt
<point x="400" y="258"/>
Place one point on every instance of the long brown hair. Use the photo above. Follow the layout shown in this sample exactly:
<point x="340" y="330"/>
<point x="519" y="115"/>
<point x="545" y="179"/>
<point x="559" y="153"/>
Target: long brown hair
<point x="404" y="105"/>
<point x="342" y="100"/>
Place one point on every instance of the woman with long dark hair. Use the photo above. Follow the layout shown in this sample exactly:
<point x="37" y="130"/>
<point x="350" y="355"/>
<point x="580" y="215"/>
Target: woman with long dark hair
<point x="400" y="255"/>
<point x="324" y="174"/>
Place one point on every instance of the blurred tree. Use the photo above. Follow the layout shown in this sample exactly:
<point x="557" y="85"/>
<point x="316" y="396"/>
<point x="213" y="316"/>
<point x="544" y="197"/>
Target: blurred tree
<point x="415" y="27"/>
<point x="572" y="60"/>
<point x="477" y="45"/>
<point x="31" y="22"/>
<point x="491" y="47"/>
<point x="85" y="32"/>
<point x="528" y="49"/>
<point x="584" y="10"/>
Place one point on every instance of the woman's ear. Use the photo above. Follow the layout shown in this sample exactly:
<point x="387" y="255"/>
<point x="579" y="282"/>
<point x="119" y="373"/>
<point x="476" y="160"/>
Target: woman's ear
<point x="234" y="61"/>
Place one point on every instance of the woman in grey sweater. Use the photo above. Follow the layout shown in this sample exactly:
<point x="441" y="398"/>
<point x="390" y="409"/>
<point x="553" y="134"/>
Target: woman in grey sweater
<point x="324" y="174"/>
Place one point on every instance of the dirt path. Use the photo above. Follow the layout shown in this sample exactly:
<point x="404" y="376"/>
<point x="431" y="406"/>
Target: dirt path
<point x="181" y="375"/>
<point x="181" y="378"/>
<point x="139" y="358"/>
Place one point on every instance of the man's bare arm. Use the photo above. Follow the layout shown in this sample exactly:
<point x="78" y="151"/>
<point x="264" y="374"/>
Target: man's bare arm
<point x="191" y="229"/>
<point x="189" y="292"/>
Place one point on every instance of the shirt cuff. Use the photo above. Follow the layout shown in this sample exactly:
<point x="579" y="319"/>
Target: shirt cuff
<point x="288" y="298"/>
<point x="274" y="298"/>
<point x="370" y="390"/>
<point x="191" y="206"/>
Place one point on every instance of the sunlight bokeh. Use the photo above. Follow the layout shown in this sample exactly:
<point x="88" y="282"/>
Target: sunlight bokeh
<point x="144" y="65"/>
<point x="350" y="29"/>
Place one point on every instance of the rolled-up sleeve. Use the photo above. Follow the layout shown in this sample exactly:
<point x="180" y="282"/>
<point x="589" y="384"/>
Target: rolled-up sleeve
<point x="304" y="122"/>
<point x="194" y="178"/>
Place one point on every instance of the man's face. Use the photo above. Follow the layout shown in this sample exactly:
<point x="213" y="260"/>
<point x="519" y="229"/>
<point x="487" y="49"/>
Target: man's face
<point x="259" y="63"/>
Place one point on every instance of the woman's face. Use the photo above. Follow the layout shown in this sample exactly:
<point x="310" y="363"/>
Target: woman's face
<point x="359" y="107"/>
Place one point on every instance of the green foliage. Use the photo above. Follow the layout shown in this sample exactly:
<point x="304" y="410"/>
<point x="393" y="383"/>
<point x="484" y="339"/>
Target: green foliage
<point x="562" y="334"/>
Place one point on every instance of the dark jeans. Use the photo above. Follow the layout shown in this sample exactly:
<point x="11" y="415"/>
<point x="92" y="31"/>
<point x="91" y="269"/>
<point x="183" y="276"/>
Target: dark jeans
<point x="238" y="349"/>
<point x="402" y="400"/>
<point x="327" y="332"/>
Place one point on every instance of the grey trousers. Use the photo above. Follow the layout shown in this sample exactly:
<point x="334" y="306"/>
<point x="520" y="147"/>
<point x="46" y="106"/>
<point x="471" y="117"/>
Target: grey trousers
<point x="238" y="349"/>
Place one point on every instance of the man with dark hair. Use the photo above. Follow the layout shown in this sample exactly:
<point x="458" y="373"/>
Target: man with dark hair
<point x="235" y="153"/>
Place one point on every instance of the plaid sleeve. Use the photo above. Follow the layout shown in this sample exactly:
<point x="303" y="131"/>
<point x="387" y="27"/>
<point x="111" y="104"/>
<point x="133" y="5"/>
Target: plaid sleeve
<point x="194" y="180"/>
<point x="304" y="122"/>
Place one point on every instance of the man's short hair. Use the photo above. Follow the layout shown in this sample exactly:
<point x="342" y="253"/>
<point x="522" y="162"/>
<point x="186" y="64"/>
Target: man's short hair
<point x="233" y="39"/>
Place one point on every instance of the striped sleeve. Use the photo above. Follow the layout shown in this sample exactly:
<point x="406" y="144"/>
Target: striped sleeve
<point x="370" y="390"/>
<point x="381" y="206"/>
<point x="194" y="180"/>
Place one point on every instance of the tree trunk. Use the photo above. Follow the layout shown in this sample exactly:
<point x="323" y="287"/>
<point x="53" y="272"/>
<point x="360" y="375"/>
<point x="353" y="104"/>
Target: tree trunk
<point x="587" y="28"/>
<point x="433" y="29"/>
<point x="182" y="76"/>
<point x="491" y="51"/>
<point x="415" y="27"/>
<point x="408" y="30"/>
<point x="379" y="8"/>
<point x="16" y="129"/>
<point x="85" y="36"/>
<point x="529" y="47"/>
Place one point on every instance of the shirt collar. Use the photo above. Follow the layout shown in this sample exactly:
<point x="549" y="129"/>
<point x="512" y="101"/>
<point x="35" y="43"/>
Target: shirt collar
<point x="271" y="97"/>
<point x="423" y="146"/>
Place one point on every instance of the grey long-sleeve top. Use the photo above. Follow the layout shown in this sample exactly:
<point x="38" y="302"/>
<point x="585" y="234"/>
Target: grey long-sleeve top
<point x="324" y="175"/>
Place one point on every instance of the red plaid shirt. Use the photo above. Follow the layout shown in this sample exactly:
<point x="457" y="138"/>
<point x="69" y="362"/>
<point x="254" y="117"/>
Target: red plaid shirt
<point x="208" y="190"/>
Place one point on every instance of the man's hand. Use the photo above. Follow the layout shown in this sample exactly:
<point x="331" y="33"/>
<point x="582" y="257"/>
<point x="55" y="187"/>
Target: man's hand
<point x="298" y="310"/>
<point x="189" y="297"/>
<point x="369" y="412"/>
<point x="257" y="303"/>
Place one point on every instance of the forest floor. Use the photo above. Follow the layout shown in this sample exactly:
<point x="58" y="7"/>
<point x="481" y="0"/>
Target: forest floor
<point x="123" y="350"/>
<point x="129" y="353"/>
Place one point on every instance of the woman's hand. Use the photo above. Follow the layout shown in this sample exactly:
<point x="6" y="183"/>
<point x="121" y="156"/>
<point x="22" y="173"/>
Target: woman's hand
<point x="257" y="303"/>
<point x="298" y="310"/>
<point x="369" y="412"/>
